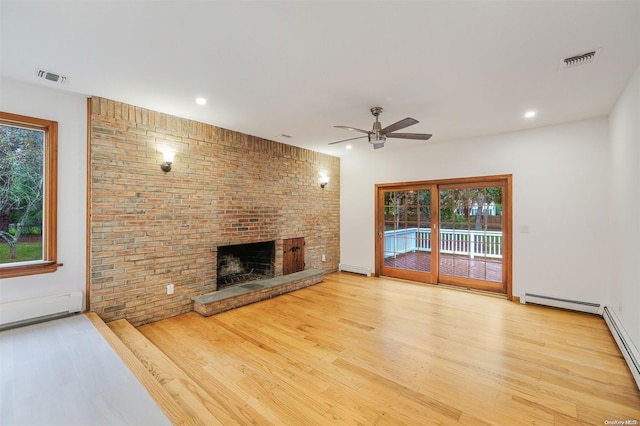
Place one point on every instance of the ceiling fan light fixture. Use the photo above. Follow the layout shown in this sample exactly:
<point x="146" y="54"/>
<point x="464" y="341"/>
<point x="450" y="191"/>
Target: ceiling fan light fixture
<point x="378" y="142"/>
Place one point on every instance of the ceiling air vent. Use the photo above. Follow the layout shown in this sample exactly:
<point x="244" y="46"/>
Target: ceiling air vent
<point x="51" y="76"/>
<point x="581" y="59"/>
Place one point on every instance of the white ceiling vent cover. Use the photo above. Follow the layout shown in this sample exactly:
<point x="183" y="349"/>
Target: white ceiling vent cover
<point x="51" y="76"/>
<point x="581" y="59"/>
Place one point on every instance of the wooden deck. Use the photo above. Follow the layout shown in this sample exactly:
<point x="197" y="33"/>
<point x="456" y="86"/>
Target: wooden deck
<point x="358" y="350"/>
<point x="458" y="266"/>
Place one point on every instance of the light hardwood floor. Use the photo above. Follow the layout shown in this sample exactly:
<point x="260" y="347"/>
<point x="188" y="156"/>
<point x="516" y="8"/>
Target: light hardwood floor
<point x="357" y="350"/>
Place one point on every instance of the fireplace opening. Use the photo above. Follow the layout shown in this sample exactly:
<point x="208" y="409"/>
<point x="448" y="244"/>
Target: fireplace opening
<point x="245" y="262"/>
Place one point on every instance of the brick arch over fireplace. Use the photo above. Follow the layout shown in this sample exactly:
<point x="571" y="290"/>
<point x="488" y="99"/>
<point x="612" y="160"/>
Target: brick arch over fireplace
<point x="149" y="228"/>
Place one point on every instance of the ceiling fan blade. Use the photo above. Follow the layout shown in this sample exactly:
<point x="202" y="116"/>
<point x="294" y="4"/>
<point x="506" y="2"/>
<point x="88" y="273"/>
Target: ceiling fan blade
<point x="344" y="140"/>
<point x="420" y="136"/>
<point x="352" y="128"/>
<point x="399" y="125"/>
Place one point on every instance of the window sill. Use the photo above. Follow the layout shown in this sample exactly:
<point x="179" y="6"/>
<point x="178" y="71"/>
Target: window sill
<point x="43" y="267"/>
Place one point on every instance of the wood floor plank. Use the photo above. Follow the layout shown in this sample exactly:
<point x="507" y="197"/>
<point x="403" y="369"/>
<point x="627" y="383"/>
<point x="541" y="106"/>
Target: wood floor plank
<point x="358" y="350"/>
<point x="201" y="405"/>
<point x="225" y="388"/>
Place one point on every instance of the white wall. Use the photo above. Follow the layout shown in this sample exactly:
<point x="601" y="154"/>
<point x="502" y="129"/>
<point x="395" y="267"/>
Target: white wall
<point x="560" y="187"/>
<point x="625" y="208"/>
<point x="69" y="110"/>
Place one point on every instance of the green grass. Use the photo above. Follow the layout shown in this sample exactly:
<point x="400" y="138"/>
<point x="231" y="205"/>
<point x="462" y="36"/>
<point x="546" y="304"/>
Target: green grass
<point x="24" y="252"/>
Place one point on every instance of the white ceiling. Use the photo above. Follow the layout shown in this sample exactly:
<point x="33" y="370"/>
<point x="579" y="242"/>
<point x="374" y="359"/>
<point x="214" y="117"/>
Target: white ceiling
<point x="299" y="68"/>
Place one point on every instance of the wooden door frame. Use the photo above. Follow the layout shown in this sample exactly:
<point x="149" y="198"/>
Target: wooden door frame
<point x="507" y="239"/>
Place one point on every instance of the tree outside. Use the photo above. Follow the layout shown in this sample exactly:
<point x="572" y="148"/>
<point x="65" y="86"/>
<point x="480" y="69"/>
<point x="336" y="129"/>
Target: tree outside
<point x="469" y="208"/>
<point x="407" y="209"/>
<point x="464" y="208"/>
<point x="21" y="193"/>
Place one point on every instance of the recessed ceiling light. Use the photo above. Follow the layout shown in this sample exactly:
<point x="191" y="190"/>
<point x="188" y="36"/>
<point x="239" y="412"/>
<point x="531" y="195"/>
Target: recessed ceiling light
<point x="348" y="147"/>
<point x="201" y="101"/>
<point x="529" y="114"/>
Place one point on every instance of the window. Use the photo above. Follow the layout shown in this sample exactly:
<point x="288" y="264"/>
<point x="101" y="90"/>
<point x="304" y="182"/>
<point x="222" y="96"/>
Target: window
<point x="28" y="195"/>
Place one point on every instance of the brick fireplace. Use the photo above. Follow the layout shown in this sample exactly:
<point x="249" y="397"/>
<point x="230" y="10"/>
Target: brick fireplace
<point x="150" y="228"/>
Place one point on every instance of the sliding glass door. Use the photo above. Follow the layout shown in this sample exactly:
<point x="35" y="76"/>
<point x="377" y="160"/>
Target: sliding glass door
<point x="455" y="231"/>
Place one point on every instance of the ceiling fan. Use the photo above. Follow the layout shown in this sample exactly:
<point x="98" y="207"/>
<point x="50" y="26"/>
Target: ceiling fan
<point x="377" y="136"/>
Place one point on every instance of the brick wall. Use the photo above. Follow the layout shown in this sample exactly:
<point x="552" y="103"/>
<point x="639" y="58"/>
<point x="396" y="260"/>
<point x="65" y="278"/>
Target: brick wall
<point x="150" y="228"/>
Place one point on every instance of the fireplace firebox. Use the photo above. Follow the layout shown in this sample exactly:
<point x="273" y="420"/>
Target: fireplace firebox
<point x="245" y="262"/>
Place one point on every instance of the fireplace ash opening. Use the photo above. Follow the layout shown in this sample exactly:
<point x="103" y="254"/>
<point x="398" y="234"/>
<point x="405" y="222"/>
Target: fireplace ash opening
<point x="245" y="262"/>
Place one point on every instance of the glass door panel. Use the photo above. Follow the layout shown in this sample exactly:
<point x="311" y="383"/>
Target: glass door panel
<point x="405" y="234"/>
<point x="471" y="236"/>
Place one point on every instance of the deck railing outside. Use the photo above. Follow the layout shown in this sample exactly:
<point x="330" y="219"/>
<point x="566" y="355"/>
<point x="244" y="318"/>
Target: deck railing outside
<point x="452" y="241"/>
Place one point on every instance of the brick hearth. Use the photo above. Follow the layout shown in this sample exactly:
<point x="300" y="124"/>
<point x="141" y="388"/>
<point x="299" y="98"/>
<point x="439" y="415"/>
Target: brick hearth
<point x="244" y="294"/>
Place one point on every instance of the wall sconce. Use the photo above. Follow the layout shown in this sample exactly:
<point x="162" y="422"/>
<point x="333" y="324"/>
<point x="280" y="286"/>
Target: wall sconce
<point x="168" y="160"/>
<point x="324" y="180"/>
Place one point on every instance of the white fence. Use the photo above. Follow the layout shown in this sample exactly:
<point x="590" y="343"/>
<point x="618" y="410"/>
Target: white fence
<point x="452" y="241"/>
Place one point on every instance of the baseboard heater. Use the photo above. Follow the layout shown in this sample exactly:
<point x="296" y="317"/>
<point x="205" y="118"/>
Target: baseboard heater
<point x="628" y="349"/>
<point x="556" y="302"/>
<point x="355" y="269"/>
<point x="29" y="311"/>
